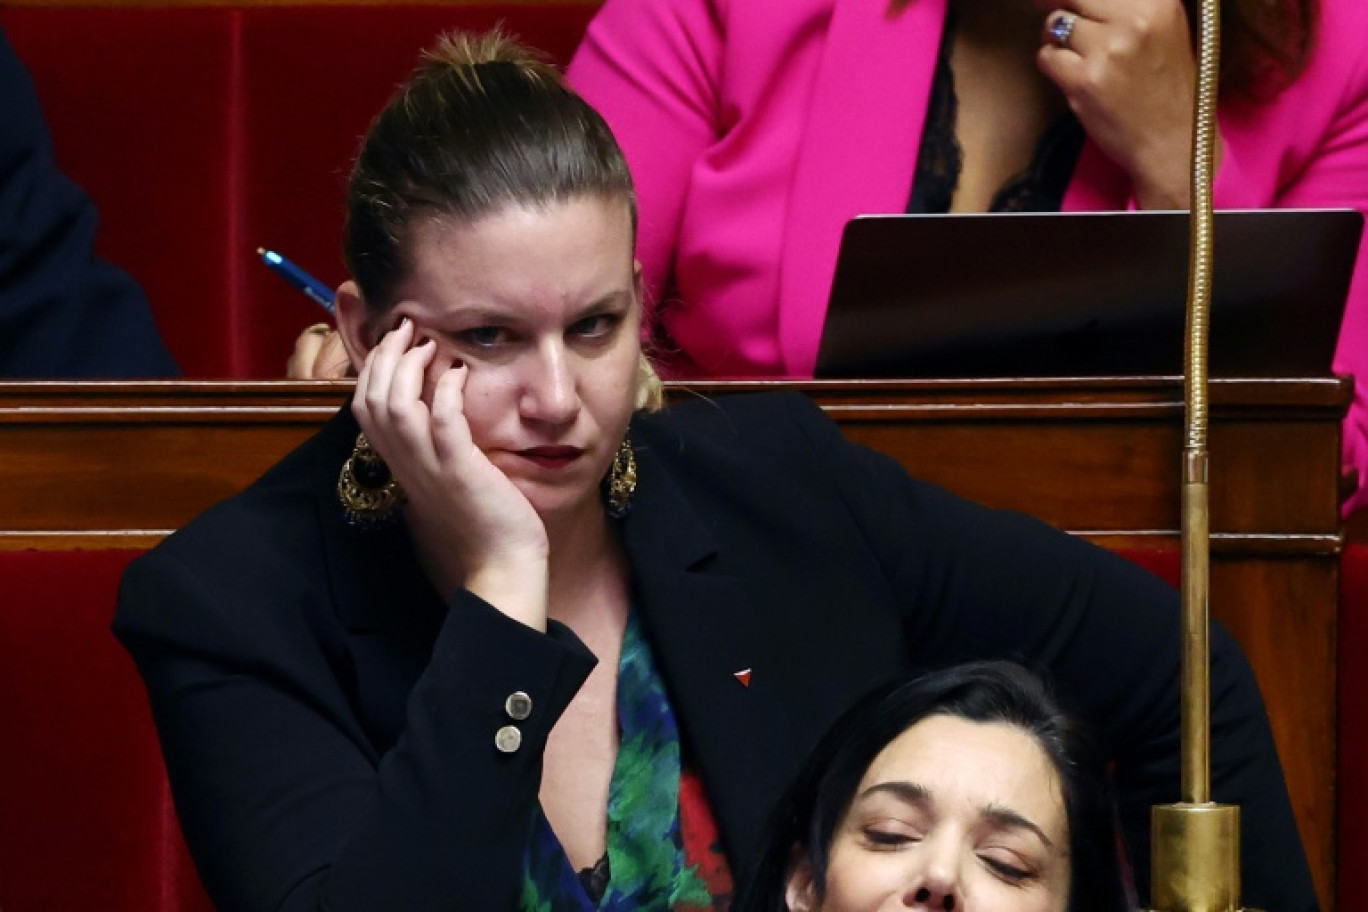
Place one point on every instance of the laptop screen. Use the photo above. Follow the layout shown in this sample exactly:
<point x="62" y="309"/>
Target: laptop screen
<point x="1084" y="294"/>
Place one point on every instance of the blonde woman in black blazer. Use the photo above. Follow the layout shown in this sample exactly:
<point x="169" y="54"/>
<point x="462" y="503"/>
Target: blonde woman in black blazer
<point x="367" y="697"/>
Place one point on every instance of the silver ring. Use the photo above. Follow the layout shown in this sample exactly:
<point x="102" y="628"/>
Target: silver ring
<point x="1062" y="29"/>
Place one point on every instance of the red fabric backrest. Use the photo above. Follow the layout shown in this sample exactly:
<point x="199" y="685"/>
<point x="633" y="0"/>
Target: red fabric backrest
<point x="138" y="105"/>
<point x="205" y="133"/>
<point x="1353" y="728"/>
<point x="1165" y="563"/>
<point x="86" y="820"/>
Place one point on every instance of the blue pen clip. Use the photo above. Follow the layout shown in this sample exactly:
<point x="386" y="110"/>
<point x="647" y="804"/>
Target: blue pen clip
<point x="315" y="290"/>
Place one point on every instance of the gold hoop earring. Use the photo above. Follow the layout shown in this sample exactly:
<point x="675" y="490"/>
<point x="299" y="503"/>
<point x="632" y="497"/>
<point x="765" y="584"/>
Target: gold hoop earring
<point x="369" y="494"/>
<point x="621" y="482"/>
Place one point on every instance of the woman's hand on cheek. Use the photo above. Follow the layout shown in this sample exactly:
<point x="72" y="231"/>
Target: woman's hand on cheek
<point x="1128" y="70"/>
<point x="472" y="527"/>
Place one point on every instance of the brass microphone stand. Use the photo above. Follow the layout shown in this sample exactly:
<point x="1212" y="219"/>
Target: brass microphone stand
<point x="1196" y="842"/>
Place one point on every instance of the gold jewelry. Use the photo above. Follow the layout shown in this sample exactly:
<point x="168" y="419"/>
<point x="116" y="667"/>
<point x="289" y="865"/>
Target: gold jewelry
<point x="621" y="482"/>
<point x="369" y="494"/>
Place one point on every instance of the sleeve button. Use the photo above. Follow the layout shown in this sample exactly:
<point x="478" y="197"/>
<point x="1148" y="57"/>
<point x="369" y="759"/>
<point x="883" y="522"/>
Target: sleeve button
<point x="508" y="739"/>
<point x="518" y="706"/>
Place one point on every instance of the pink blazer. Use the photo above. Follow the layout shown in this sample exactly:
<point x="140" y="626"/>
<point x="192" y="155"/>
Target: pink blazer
<point x="755" y="130"/>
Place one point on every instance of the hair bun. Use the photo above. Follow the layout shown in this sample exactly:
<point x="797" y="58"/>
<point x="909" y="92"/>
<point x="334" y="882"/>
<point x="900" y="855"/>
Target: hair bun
<point x="470" y="49"/>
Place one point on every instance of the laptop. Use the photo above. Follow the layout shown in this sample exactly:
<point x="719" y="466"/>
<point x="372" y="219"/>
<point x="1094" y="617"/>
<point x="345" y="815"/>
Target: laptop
<point x="1084" y="294"/>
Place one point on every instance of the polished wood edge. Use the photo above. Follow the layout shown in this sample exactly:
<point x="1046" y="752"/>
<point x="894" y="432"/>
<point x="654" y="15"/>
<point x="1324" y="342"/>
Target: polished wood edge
<point x="85" y="540"/>
<point x="872" y="400"/>
<point x="1232" y="545"/>
<point x="1293" y="385"/>
<point x="155" y="414"/>
<point x="1224" y="544"/>
<point x="1332" y="387"/>
<point x="64" y="395"/>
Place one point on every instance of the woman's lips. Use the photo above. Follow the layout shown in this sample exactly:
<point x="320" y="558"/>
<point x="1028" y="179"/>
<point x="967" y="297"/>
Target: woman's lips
<point x="551" y="457"/>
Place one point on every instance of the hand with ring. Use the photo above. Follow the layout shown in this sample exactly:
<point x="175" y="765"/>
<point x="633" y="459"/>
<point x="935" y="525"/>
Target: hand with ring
<point x="1128" y="69"/>
<point x="318" y="355"/>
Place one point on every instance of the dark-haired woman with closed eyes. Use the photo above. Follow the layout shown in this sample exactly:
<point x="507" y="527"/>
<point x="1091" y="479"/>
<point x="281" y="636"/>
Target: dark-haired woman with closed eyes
<point x="966" y="789"/>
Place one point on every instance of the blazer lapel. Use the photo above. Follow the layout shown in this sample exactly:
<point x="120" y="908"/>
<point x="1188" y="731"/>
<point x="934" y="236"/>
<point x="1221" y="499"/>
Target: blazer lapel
<point x="703" y="626"/>
<point x="711" y="647"/>
<point x="858" y="152"/>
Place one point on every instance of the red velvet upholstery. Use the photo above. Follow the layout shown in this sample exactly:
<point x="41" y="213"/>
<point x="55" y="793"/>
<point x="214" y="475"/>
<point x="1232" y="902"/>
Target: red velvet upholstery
<point x="308" y="105"/>
<point x="85" y="815"/>
<point x="1353" y="731"/>
<point x="138" y="107"/>
<point x="205" y="133"/>
<point x="1165" y="563"/>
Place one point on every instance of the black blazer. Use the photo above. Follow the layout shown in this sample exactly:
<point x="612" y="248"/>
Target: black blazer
<point x="63" y="313"/>
<point x="328" y="722"/>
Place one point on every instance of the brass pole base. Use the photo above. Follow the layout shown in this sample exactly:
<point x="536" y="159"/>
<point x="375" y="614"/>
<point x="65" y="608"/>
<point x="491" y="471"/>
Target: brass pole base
<point x="1196" y="857"/>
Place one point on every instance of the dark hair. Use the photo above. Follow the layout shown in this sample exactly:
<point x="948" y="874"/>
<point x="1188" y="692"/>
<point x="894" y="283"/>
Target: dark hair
<point x="481" y="124"/>
<point x="813" y="807"/>
<point x="1265" y="44"/>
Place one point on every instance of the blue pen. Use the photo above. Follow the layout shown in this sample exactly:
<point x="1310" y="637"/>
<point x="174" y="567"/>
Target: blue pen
<point x="312" y="288"/>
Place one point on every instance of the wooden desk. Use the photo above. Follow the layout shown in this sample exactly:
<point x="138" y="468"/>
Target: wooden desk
<point x="119" y="465"/>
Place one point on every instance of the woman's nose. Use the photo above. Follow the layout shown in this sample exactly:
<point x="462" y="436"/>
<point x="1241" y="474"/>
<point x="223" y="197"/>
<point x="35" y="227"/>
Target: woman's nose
<point x="929" y="898"/>
<point x="549" y="394"/>
<point x="934" y="886"/>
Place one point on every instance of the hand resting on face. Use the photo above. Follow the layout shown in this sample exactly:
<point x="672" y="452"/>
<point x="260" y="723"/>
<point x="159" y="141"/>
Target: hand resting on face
<point x="472" y="526"/>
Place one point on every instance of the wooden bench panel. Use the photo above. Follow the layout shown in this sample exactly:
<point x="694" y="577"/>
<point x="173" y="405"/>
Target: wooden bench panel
<point x="119" y="465"/>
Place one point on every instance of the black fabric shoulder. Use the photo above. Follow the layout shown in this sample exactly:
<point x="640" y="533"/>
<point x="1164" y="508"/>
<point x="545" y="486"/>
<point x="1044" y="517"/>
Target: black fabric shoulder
<point x="768" y="425"/>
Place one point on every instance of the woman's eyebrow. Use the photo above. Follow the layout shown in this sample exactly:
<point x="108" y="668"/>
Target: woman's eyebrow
<point x="481" y="313"/>
<point x="916" y="794"/>
<point x="477" y="313"/>
<point x="620" y="297"/>
<point x="1010" y="819"/>
<point x="493" y="313"/>
<point x="910" y="792"/>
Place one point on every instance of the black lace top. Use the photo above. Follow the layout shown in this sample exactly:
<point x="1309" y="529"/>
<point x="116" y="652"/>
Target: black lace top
<point x="1040" y="188"/>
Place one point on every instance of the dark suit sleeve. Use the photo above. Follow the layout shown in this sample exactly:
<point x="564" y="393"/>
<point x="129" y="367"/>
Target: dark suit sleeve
<point x="980" y="583"/>
<point x="284" y="799"/>
<point x="63" y="313"/>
